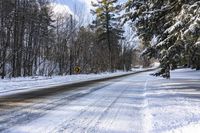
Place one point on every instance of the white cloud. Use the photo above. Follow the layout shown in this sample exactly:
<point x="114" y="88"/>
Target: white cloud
<point x="61" y="9"/>
<point x="87" y="3"/>
<point x="83" y="7"/>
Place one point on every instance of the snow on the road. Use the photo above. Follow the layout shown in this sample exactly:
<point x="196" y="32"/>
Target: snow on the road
<point x="24" y="84"/>
<point x="15" y="85"/>
<point x="137" y="104"/>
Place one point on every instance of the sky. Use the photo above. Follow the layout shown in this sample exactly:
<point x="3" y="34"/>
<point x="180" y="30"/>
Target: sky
<point x="84" y="7"/>
<point x="69" y="5"/>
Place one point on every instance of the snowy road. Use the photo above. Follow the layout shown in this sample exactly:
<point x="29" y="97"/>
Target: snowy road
<point x="135" y="104"/>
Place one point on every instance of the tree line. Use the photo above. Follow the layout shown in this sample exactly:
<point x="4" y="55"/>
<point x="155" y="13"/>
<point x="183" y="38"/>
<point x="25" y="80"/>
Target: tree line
<point x="34" y="41"/>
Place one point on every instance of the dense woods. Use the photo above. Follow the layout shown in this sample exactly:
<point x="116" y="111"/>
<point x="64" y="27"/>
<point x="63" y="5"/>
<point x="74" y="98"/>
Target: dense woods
<point x="36" y="41"/>
<point x="25" y="26"/>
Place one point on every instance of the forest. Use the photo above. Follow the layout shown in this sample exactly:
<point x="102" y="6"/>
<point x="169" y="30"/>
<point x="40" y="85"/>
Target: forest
<point x="36" y="41"/>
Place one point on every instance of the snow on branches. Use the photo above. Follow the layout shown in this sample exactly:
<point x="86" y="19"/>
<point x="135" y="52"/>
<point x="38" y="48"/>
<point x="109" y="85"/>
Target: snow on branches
<point x="176" y="25"/>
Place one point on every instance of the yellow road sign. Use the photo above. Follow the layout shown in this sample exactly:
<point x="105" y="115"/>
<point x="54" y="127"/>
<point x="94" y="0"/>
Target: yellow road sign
<point x="77" y="69"/>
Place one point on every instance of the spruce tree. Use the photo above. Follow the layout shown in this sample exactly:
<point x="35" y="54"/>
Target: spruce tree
<point x="175" y="23"/>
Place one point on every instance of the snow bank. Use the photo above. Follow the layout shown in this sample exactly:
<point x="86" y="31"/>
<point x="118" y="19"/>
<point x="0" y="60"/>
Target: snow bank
<point x="191" y="128"/>
<point x="8" y="86"/>
<point x="21" y="84"/>
<point x="140" y="68"/>
<point x="186" y="73"/>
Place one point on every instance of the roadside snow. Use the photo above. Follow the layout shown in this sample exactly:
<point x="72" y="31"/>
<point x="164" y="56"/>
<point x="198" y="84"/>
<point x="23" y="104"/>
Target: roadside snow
<point x="175" y="103"/>
<point x="141" y="68"/>
<point x="21" y="84"/>
<point x="186" y="73"/>
<point x="15" y="85"/>
<point x="191" y="128"/>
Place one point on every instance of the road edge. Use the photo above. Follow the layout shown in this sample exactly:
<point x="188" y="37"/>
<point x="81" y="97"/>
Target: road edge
<point x="52" y="88"/>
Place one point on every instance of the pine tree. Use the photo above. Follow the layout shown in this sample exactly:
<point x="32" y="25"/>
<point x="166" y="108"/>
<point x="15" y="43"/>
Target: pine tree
<point x="107" y="25"/>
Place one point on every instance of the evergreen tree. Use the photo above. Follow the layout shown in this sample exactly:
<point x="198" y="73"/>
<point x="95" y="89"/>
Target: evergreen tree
<point x="107" y="26"/>
<point x="175" y="23"/>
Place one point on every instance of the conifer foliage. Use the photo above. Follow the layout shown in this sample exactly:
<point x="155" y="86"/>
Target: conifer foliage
<point x="176" y="26"/>
<point x="108" y="27"/>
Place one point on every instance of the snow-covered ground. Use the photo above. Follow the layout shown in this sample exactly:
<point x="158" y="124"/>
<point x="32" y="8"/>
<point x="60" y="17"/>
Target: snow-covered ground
<point x="15" y="85"/>
<point x="21" y="84"/>
<point x="136" y="104"/>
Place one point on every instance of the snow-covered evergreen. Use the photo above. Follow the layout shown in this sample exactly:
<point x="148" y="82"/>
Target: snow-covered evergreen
<point x="176" y="25"/>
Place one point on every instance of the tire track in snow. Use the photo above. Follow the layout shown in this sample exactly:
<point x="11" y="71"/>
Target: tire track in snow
<point x="21" y="115"/>
<point x="72" y="121"/>
<point x="108" y="118"/>
<point x="147" y="120"/>
<point x="91" y="115"/>
<point x="99" y="120"/>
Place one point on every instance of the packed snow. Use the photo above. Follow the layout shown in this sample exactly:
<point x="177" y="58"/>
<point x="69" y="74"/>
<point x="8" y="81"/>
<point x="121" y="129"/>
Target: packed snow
<point x="136" y="104"/>
<point x="24" y="84"/>
<point x="14" y="85"/>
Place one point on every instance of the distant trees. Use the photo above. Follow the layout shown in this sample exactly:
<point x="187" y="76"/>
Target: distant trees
<point x="62" y="40"/>
<point x="24" y="30"/>
<point x="176" y="26"/>
<point x="36" y="41"/>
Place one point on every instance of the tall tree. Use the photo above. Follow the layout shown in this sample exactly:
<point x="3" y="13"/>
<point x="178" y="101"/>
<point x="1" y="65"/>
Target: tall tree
<point x="107" y="25"/>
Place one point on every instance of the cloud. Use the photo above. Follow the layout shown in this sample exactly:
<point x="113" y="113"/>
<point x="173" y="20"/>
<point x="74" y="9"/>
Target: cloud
<point x="68" y="7"/>
<point x="87" y="3"/>
<point x="61" y="9"/>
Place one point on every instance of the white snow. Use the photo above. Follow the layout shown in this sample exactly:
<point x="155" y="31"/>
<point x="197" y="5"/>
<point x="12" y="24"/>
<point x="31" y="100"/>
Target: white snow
<point x="138" y="104"/>
<point x="191" y="128"/>
<point x="174" y="27"/>
<point x="24" y="84"/>
<point x="21" y="84"/>
<point x="16" y="85"/>
<point x="154" y="41"/>
<point x="141" y="68"/>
